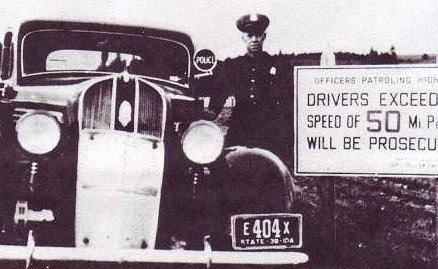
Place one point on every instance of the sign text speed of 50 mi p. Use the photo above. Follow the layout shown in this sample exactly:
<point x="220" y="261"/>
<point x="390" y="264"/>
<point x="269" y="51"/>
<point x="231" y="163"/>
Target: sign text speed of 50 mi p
<point x="366" y="120"/>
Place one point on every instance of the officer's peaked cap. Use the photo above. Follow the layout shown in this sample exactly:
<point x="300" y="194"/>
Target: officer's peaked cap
<point x="253" y="23"/>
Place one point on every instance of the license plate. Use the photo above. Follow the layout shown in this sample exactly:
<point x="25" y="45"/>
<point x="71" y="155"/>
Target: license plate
<point x="266" y="231"/>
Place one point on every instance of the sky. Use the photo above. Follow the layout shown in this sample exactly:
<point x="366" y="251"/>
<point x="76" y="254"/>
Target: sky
<point x="297" y="26"/>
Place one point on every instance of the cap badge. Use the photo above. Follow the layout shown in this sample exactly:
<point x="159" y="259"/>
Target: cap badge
<point x="253" y="17"/>
<point x="273" y="70"/>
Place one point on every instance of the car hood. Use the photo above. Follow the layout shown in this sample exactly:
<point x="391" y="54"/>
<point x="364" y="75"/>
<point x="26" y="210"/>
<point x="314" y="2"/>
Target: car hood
<point x="65" y="97"/>
<point x="50" y="95"/>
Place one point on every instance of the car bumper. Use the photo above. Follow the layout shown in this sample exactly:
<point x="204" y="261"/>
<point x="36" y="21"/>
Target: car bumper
<point x="124" y="256"/>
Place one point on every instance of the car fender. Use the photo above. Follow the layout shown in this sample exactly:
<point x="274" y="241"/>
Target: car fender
<point x="249" y="162"/>
<point x="253" y="180"/>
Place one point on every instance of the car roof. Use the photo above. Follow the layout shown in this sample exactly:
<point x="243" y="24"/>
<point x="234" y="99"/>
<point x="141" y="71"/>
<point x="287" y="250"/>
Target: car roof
<point x="34" y="25"/>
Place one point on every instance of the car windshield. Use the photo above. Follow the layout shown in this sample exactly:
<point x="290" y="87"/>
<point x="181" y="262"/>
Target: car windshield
<point x="49" y="51"/>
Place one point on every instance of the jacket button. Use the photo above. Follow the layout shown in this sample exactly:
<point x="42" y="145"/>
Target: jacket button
<point x="251" y="96"/>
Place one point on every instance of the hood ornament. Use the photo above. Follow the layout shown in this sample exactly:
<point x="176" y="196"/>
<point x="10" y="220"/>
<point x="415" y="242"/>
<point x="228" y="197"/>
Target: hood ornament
<point x="125" y="76"/>
<point x="125" y="111"/>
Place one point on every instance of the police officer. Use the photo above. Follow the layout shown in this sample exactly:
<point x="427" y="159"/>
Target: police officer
<point x="262" y="87"/>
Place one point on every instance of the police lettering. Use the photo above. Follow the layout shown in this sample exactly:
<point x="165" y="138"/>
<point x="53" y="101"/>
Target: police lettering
<point x="323" y="121"/>
<point x="205" y="60"/>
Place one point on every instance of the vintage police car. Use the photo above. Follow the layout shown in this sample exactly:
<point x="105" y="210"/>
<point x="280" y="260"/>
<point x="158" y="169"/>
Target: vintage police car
<point x="105" y="158"/>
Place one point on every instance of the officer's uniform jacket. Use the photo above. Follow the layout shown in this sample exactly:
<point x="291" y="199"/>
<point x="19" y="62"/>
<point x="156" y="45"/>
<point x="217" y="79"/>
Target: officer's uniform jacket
<point x="263" y="90"/>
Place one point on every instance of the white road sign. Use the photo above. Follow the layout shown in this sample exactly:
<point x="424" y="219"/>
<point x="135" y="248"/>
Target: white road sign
<point x="366" y="120"/>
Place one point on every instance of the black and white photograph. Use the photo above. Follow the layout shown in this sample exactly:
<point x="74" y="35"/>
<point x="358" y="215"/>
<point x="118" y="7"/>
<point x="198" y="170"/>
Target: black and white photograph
<point x="218" y="134"/>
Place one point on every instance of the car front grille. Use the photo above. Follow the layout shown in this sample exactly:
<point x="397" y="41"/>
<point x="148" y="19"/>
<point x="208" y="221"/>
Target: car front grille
<point x="133" y="107"/>
<point x="150" y="111"/>
<point x="97" y="106"/>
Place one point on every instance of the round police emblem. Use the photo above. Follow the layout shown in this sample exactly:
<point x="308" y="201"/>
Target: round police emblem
<point x="204" y="60"/>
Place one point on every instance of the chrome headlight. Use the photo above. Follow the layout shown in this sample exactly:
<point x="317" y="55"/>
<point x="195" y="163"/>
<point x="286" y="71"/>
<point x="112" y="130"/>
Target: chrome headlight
<point x="38" y="133"/>
<point x="202" y="142"/>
